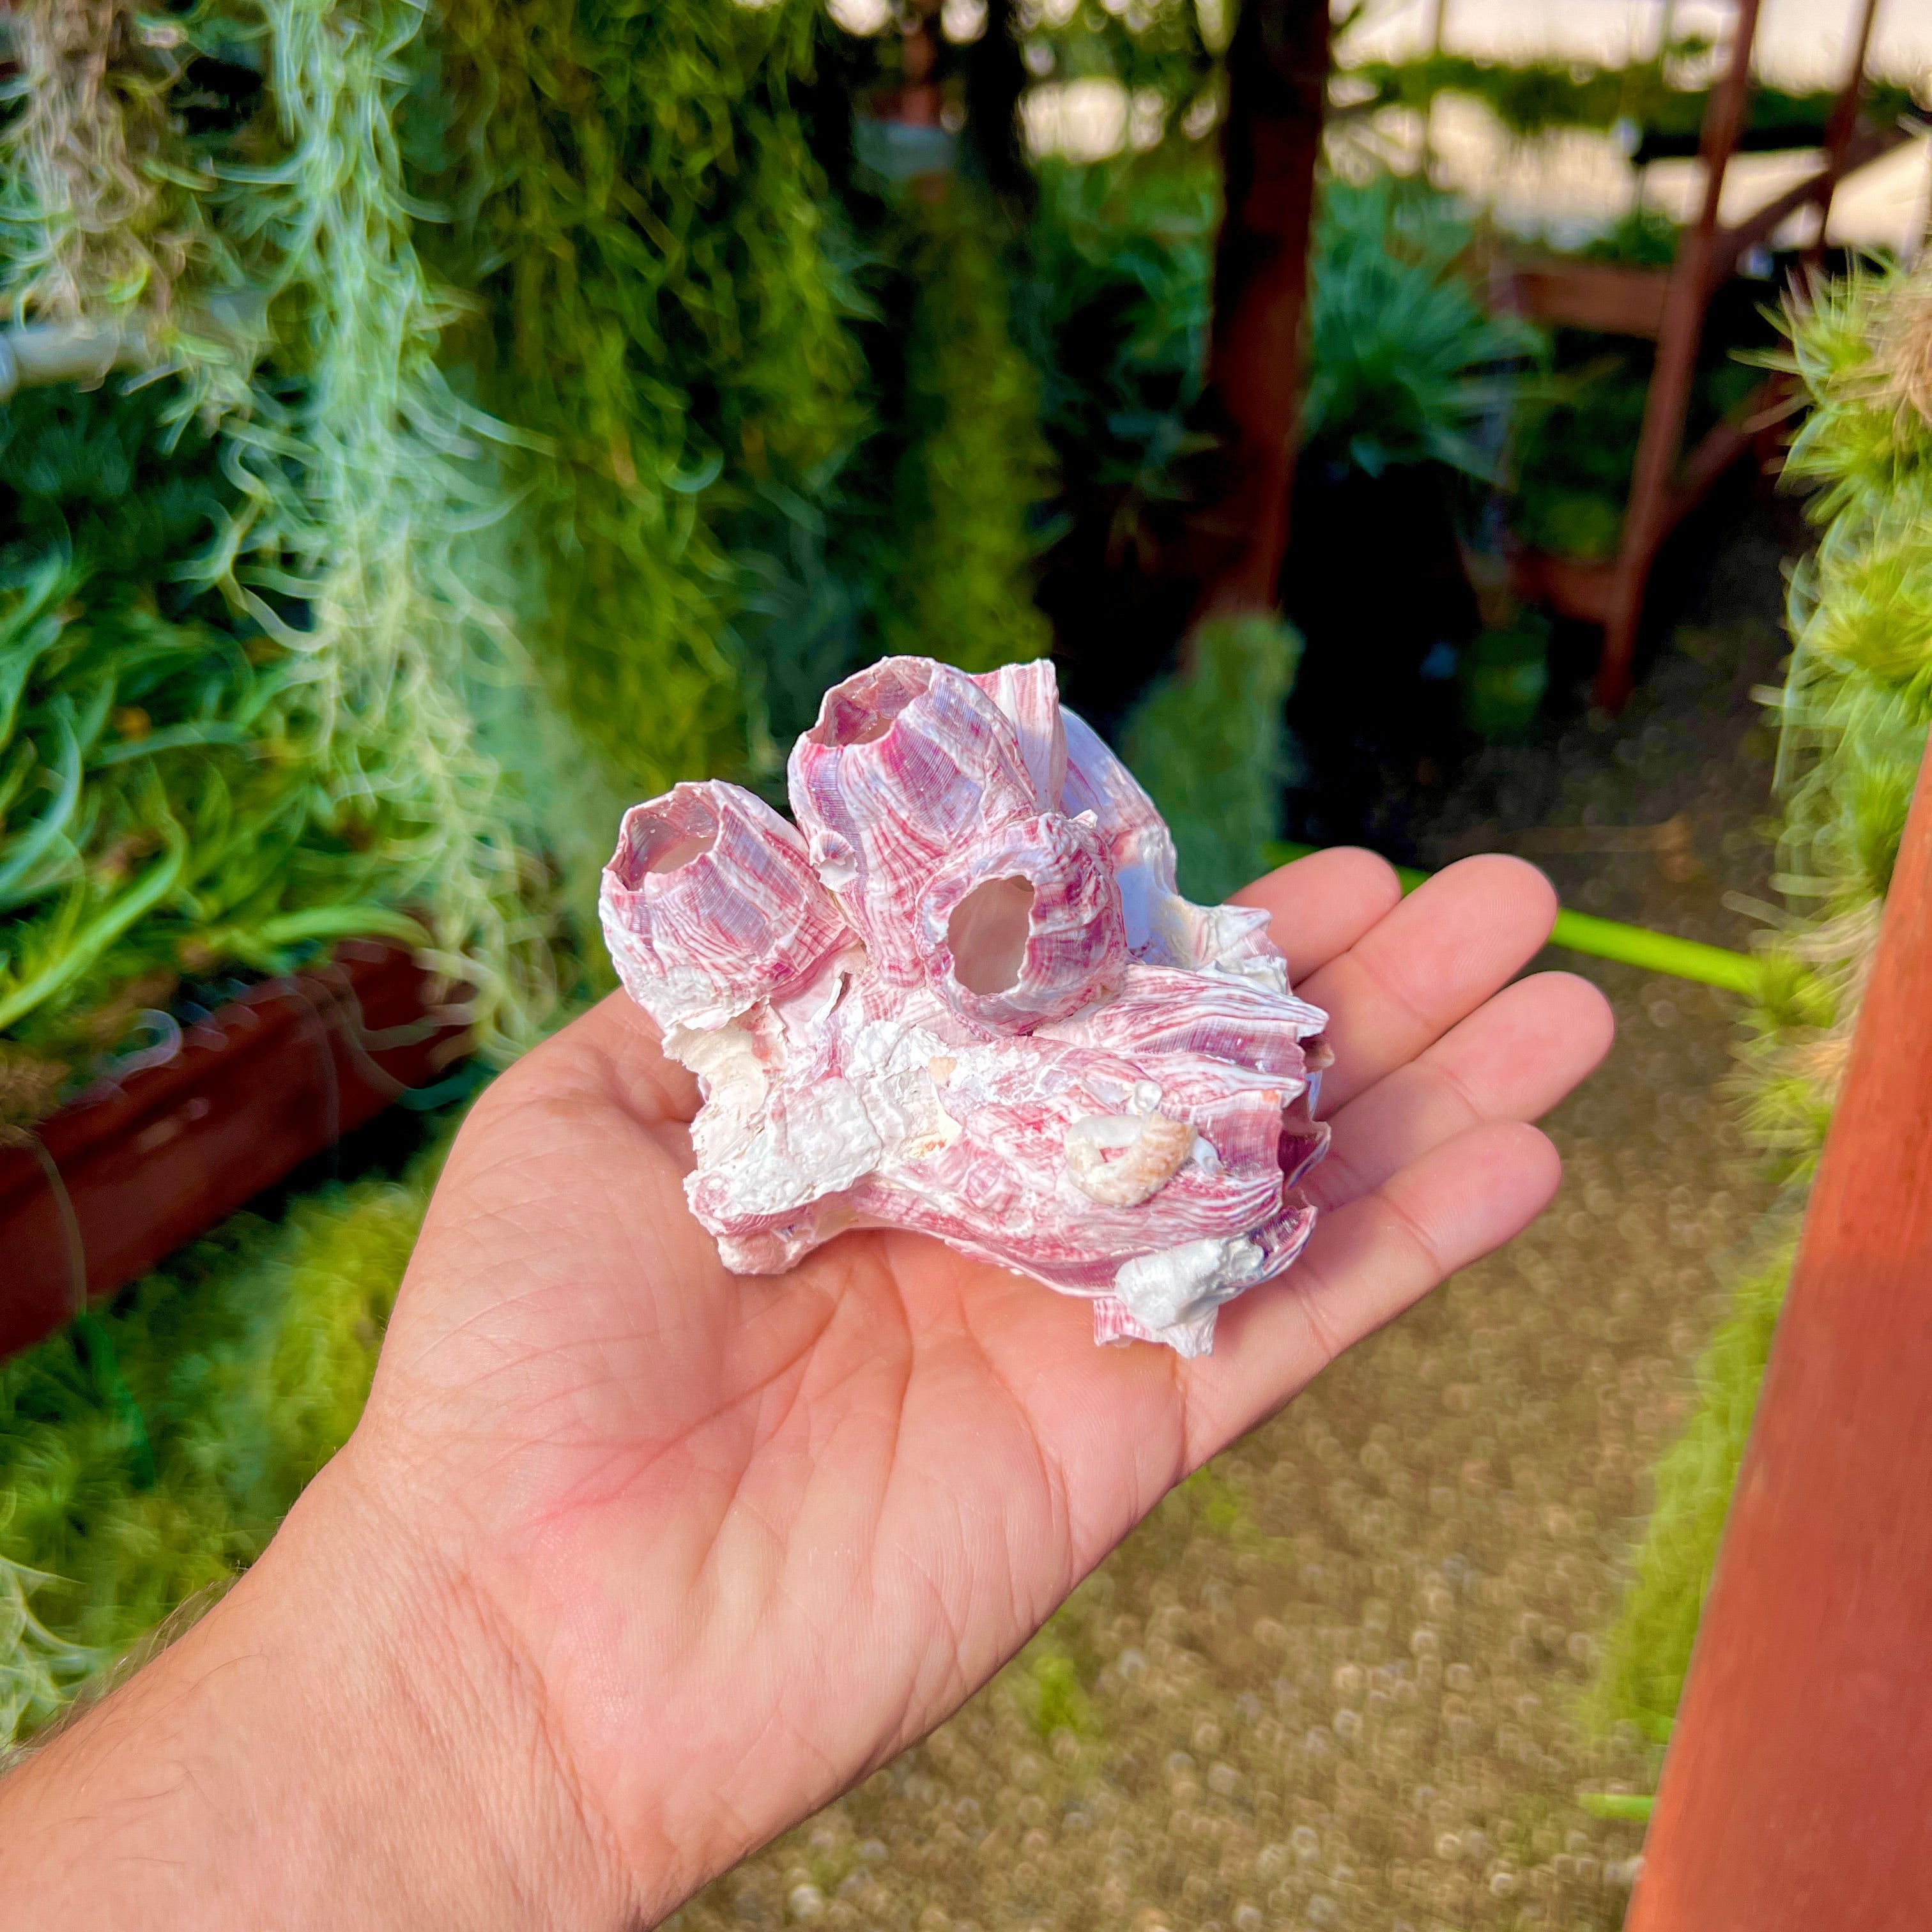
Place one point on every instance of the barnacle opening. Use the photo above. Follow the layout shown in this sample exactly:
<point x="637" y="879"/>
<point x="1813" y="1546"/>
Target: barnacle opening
<point x="864" y="708"/>
<point x="987" y="935"/>
<point x="667" y="839"/>
<point x="682" y="851"/>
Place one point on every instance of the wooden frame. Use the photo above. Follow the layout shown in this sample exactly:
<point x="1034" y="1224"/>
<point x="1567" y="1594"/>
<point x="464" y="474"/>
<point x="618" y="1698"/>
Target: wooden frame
<point x="126" y="1174"/>
<point x="1660" y="498"/>
<point x="1669" y="306"/>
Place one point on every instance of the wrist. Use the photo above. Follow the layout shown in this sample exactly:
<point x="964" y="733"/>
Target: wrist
<point x="347" y="1738"/>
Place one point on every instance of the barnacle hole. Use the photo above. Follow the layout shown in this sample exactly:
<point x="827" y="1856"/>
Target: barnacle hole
<point x="862" y="710"/>
<point x="987" y="934"/>
<point x="667" y="840"/>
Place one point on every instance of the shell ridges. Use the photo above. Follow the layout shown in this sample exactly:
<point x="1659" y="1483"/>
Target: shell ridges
<point x="963" y="995"/>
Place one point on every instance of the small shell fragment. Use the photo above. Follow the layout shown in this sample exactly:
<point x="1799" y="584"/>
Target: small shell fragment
<point x="962" y="995"/>
<point x="1122" y="1159"/>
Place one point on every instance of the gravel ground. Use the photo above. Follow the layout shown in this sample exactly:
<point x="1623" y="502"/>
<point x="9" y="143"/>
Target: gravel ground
<point x="1333" y="1681"/>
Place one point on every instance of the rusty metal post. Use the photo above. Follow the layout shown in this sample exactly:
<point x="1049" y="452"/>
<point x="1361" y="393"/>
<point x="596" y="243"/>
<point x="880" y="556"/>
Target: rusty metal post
<point x="1839" y="130"/>
<point x="1797" y="1794"/>
<point x="1277" y="85"/>
<point x="1647" y="516"/>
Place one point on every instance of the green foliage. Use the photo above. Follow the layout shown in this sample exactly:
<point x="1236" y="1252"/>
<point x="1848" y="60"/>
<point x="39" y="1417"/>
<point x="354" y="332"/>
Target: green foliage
<point x="1642" y="238"/>
<point x="1641" y="1677"/>
<point x="808" y="575"/>
<point x="39" y="1670"/>
<point x="1529" y="98"/>
<point x="98" y="177"/>
<point x="1857" y="697"/>
<point x="1576" y="446"/>
<point x="350" y="468"/>
<point x="149" y="1452"/>
<point x="1406" y="364"/>
<point x="642" y="222"/>
<point x="921" y="537"/>
<point x="1533" y="97"/>
<point x="1114" y="308"/>
<point x="1207" y="744"/>
<point x="956" y="583"/>
<point x="1504" y="676"/>
<point x="1164" y="47"/>
<point x="1574" y="455"/>
<point x="1405" y="359"/>
<point x="1854" y="719"/>
<point x="164" y="807"/>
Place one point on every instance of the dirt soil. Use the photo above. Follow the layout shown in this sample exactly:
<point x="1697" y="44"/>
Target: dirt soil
<point x="1333" y="1681"/>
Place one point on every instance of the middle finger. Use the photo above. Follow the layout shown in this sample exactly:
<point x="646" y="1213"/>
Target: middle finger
<point x="1513" y="1059"/>
<point x="1435" y="958"/>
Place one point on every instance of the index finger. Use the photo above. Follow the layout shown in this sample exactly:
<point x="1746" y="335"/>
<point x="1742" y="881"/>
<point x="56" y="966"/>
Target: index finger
<point x="1322" y="904"/>
<point x="1456" y="939"/>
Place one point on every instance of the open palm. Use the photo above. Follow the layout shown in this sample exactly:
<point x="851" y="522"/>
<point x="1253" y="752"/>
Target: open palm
<point x="752" y="1536"/>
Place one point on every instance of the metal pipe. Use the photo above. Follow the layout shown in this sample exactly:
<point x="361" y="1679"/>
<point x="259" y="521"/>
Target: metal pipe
<point x="1661" y="952"/>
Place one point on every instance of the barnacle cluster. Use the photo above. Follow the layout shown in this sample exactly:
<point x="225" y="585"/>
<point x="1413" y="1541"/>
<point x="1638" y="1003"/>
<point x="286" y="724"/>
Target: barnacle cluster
<point x="962" y="995"/>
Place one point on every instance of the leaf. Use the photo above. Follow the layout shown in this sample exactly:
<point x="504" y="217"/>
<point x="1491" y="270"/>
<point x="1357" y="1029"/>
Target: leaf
<point x="28" y="846"/>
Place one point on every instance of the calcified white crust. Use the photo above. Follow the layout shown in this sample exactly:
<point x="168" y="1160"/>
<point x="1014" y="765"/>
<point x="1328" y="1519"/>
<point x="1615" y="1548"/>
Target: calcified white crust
<point x="963" y="996"/>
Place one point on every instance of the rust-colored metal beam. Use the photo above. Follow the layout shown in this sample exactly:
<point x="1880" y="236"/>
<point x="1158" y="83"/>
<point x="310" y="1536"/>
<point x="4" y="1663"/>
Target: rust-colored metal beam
<point x="1277" y="86"/>
<point x="1864" y="146"/>
<point x="1797" y="1794"/>
<point x="1666" y="402"/>
<point x="1841" y="129"/>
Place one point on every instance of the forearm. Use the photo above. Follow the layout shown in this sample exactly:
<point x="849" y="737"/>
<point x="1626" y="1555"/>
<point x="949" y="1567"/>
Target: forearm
<point x="339" y="1743"/>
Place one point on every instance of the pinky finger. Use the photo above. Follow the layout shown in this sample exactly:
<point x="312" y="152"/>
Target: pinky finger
<point x="1366" y="1263"/>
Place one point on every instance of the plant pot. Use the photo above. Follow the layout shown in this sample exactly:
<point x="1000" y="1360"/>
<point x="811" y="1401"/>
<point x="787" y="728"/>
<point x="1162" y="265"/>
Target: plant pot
<point x="131" y="1170"/>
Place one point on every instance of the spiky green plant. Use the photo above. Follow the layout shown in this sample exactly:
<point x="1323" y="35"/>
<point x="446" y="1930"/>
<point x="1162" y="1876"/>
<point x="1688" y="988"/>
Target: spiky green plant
<point x="1853" y="722"/>
<point x="1405" y="361"/>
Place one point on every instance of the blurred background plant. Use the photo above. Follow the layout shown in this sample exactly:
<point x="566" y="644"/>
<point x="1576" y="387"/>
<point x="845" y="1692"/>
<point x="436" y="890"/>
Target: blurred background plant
<point x="1407" y="364"/>
<point x="167" y="812"/>
<point x="1208" y="743"/>
<point x="1853" y="722"/>
<point x="1648" y="101"/>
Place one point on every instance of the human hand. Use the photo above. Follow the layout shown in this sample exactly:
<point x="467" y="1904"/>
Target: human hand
<point x="688" y="1553"/>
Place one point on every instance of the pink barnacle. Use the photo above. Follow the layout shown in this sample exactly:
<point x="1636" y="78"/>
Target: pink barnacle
<point x="709" y="903"/>
<point x="907" y="762"/>
<point x="965" y="997"/>
<point x="1028" y="697"/>
<point x="1024" y="925"/>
